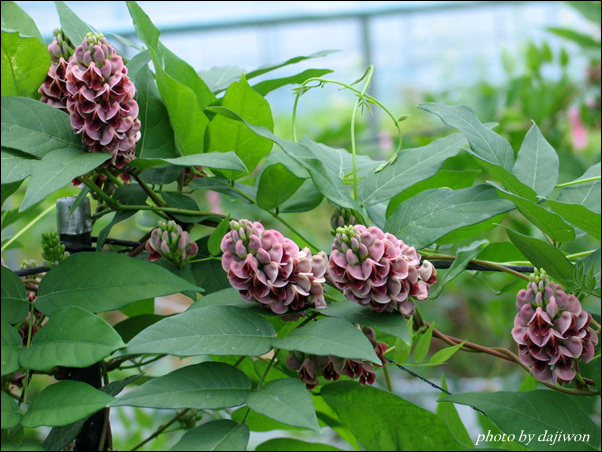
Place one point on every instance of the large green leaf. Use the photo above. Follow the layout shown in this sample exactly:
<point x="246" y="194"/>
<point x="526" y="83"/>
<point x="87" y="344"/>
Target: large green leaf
<point x="384" y="421"/>
<point x="387" y="322"/>
<point x="579" y="216"/>
<point x="548" y="222"/>
<point x="145" y="29"/>
<point x="226" y="134"/>
<point x="537" y="163"/>
<point x="36" y="128"/>
<point x="14" y="18"/>
<point x="543" y="255"/>
<point x="186" y="117"/>
<point x="14" y="298"/>
<point x="587" y="193"/>
<point x="73" y="27"/>
<point x="463" y="257"/>
<point x="78" y="281"/>
<point x="538" y="414"/>
<point x="291" y="444"/>
<point x="410" y="167"/>
<point x="58" y="169"/>
<point x="216" y="330"/>
<point x="16" y="166"/>
<point x="329" y="336"/>
<point x="447" y="413"/>
<point x="12" y="344"/>
<point x="25" y="63"/>
<point x="207" y="385"/>
<point x="220" y="77"/>
<point x="63" y="403"/>
<point x="491" y="150"/>
<point x="222" y="434"/>
<point x="10" y="411"/>
<point x="276" y="185"/>
<point x="219" y="160"/>
<point x="327" y="182"/>
<point x="285" y="400"/>
<point x="423" y="219"/>
<point x="157" y="136"/>
<point x="73" y="337"/>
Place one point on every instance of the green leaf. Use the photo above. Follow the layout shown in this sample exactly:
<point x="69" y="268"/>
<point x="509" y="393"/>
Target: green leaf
<point x="276" y="185"/>
<point x="129" y="328"/>
<point x="222" y="434"/>
<point x="329" y="184"/>
<point x="186" y="117"/>
<point x="291" y="444"/>
<point x="447" y="413"/>
<point x="226" y="134"/>
<point x="207" y="385"/>
<point x="16" y="166"/>
<point x="387" y="322"/>
<point x="463" y="258"/>
<point x="8" y="190"/>
<point x="180" y="201"/>
<point x="219" y="78"/>
<point x="73" y="337"/>
<point x="10" y="412"/>
<point x="25" y="63"/>
<point x="216" y="330"/>
<point x="268" y="86"/>
<point x="162" y="175"/>
<point x="77" y="282"/>
<point x="579" y="216"/>
<point x="36" y="128"/>
<point x="543" y="412"/>
<point x="544" y="255"/>
<point x="426" y="217"/>
<point x="145" y="29"/>
<point x="548" y="222"/>
<point x="63" y="403"/>
<point x="220" y="185"/>
<point x="501" y="252"/>
<point x="306" y="198"/>
<point x="224" y="297"/>
<point x="12" y="344"/>
<point x="215" y="240"/>
<point x="592" y="263"/>
<point x="219" y="160"/>
<point x="14" y="298"/>
<point x="491" y="150"/>
<point x="285" y="400"/>
<point x="329" y="336"/>
<point x="157" y="136"/>
<point x="537" y="163"/>
<point x="14" y="18"/>
<point x="210" y="275"/>
<point x="587" y="193"/>
<point x="58" y="169"/>
<point x="128" y="194"/>
<point x="375" y="417"/>
<point x="410" y="167"/>
<point x="443" y="355"/>
<point x="584" y="41"/>
<point x="73" y="27"/>
<point x="423" y="345"/>
<point x="271" y="67"/>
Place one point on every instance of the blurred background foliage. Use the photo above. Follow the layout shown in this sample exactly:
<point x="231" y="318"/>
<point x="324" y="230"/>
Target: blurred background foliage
<point x="552" y="80"/>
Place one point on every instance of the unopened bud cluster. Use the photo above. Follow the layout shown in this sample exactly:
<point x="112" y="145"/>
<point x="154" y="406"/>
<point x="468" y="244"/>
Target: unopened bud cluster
<point x="267" y="268"/>
<point x="552" y="330"/>
<point x="53" y="251"/>
<point x="376" y="269"/>
<point x="92" y="85"/>
<point x="170" y="241"/>
<point x="310" y="367"/>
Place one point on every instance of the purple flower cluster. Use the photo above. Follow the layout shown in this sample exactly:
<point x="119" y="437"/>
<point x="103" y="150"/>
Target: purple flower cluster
<point x="92" y="85"/>
<point x="169" y="240"/>
<point x="267" y="268"/>
<point x="552" y="330"/>
<point x="310" y="367"/>
<point x="376" y="269"/>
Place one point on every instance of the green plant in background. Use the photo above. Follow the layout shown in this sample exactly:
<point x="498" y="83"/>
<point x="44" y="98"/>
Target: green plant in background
<point x="283" y="318"/>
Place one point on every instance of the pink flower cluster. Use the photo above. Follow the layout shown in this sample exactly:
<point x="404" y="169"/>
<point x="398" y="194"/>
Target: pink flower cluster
<point x="93" y="86"/>
<point x="267" y="268"/>
<point x="376" y="269"/>
<point x="552" y="330"/>
<point x="310" y="367"/>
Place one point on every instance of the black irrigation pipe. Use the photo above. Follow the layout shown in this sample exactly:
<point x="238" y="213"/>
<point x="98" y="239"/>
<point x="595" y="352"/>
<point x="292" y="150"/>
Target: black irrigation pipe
<point x="430" y="383"/>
